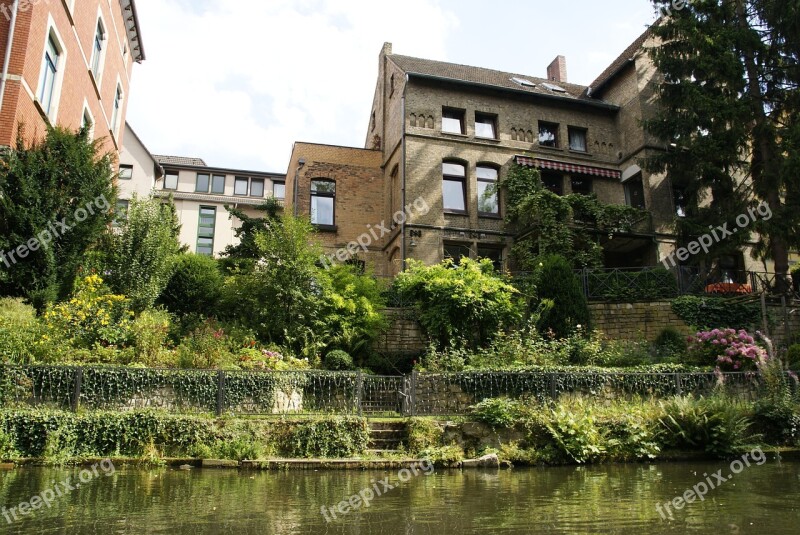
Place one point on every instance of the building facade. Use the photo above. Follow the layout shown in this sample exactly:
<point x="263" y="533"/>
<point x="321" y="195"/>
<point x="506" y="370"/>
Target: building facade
<point x="448" y="133"/>
<point x="200" y="192"/>
<point x="67" y="63"/>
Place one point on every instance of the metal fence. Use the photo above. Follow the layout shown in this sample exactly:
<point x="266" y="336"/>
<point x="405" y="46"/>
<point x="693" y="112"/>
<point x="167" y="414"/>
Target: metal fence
<point x="321" y="392"/>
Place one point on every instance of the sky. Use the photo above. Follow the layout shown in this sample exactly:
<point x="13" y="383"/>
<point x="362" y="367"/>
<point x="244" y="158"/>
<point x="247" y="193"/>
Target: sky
<point x="237" y="82"/>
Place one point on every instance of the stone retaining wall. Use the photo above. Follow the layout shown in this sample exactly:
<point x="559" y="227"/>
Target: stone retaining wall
<point x="634" y="321"/>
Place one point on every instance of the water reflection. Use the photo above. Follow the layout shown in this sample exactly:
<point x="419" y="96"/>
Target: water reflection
<point x="564" y="500"/>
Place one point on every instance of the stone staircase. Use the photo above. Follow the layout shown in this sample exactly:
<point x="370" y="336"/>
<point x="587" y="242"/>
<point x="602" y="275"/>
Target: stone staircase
<point x="386" y="437"/>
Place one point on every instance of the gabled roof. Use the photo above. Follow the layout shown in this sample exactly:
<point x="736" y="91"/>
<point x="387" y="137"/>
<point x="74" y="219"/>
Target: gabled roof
<point x="179" y="160"/>
<point x="622" y="61"/>
<point x="486" y="77"/>
<point x="130" y="18"/>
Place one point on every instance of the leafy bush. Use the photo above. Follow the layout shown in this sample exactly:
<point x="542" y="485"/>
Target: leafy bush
<point x="462" y="305"/>
<point x="332" y="437"/>
<point x="670" y="343"/>
<point x="448" y="359"/>
<point x="775" y="410"/>
<point x="338" y="360"/>
<point x="793" y="357"/>
<point x="93" y="316"/>
<point x="205" y="347"/>
<point x="195" y="286"/>
<point x="496" y="412"/>
<point x="269" y="359"/>
<point x="716" y="425"/>
<point x="423" y="434"/>
<point x="556" y="282"/>
<point x="711" y="312"/>
<point x="150" y="331"/>
<point x="727" y="349"/>
<point x="576" y="433"/>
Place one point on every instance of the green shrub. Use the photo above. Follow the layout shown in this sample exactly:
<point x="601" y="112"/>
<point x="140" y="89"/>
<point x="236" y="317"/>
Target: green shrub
<point x="575" y="433"/>
<point x="238" y="448"/>
<point x="22" y="338"/>
<point x="716" y="425"/>
<point x="8" y="450"/>
<point x="423" y="434"/>
<point x="557" y="282"/>
<point x="623" y="354"/>
<point x="670" y="343"/>
<point x="205" y="347"/>
<point x="338" y="360"/>
<point x="463" y="305"/>
<point x="448" y="359"/>
<point x="195" y="286"/>
<point x="793" y="357"/>
<point x="716" y="312"/>
<point x="330" y="437"/>
<point x="150" y="333"/>
<point x="496" y="412"/>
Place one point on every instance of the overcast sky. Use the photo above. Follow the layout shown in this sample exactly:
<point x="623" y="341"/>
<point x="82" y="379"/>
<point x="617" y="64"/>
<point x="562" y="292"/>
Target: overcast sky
<point x="236" y="82"/>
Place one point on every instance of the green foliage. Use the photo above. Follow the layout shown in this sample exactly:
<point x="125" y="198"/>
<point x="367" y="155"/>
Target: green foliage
<point x="670" y="343"/>
<point x="496" y="412"/>
<point x="23" y="340"/>
<point x="61" y="178"/>
<point x="205" y="347"/>
<point x="648" y="285"/>
<point x="195" y="286"/>
<point x="710" y="312"/>
<point x="150" y="332"/>
<point x="460" y="305"/>
<point x="775" y="410"/>
<point x="553" y="224"/>
<point x="715" y="424"/>
<point x="793" y="357"/>
<point x="576" y="433"/>
<point x="423" y="434"/>
<point x="331" y="437"/>
<point x="242" y="256"/>
<point x="140" y="255"/>
<point x="570" y="311"/>
<point x="338" y="360"/>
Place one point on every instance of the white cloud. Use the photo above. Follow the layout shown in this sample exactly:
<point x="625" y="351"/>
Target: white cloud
<point x="237" y="82"/>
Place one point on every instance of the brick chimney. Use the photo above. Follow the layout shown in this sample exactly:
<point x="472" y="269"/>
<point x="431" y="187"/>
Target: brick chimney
<point x="557" y="71"/>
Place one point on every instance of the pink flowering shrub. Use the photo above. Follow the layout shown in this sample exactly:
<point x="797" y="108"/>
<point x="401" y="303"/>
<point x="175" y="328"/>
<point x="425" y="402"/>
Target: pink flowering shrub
<point x="728" y="349"/>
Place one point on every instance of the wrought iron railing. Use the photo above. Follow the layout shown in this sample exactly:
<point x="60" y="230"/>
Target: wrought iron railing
<point x="322" y="392"/>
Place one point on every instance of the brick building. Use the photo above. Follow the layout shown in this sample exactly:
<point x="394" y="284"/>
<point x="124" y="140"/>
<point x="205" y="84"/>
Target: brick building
<point x="200" y="192"/>
<point x="447" y="133"/>
<point x="67" y="63"/>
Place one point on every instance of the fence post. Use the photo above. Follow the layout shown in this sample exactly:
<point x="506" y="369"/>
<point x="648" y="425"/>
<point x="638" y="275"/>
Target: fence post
<point x="678" y="385"/>
<point x="360" y="391"/>
<point x="765" y="323"/>
<point x="414" y="392"/>
<point x="220" y="392"/>
<point x="585" y="278"/>
<point x="553" y="392"/>
<point x="76" y="395"/>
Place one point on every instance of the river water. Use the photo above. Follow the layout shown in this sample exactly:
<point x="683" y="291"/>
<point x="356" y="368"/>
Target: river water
<point x="620" y="499"/>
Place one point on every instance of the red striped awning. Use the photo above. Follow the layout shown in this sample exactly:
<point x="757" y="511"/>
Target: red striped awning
<point x="540" y="163"/>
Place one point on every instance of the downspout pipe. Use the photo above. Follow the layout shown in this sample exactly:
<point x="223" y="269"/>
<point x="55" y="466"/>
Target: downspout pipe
<point x="9" y="45"/>
<point x="296" y="188"/>
<point x="403" y="143"/>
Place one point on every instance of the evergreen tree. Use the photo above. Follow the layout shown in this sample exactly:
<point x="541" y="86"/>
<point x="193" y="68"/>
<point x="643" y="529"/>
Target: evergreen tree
<point x="729" y="109"/>
<point x="56" y="199"/>
<point x="557" y="282"/>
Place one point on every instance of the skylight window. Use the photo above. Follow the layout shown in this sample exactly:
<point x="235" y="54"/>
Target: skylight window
<point x="523" y="82"/>
<point x="553" y="87"/>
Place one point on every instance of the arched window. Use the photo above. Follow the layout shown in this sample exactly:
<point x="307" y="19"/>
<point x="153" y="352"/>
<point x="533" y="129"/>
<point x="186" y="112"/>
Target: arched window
<point x="323" y="206"/>
<point x="454" y="187"/>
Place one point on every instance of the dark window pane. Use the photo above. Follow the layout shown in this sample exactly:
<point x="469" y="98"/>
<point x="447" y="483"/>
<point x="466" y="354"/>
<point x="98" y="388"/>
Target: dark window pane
<point x="493" y="254"/>
<point x="679" y="196"/>
<point x="582" y="185"/>
<point x="554" y="182"/>
<point x="218" y="184"/>
<point x="548" y="134"/>
<point x="634" y="193"/>
<point x="456" y="251"/>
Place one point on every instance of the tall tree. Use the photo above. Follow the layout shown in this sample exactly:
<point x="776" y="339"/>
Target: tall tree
<point x="243" y="255"/>
<point x="55" y="201"/>
<point x="728" y="109"/>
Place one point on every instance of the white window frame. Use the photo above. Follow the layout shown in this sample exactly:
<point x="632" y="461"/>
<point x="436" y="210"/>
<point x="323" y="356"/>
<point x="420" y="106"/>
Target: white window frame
<point x="117" y="104"/>
<point x="55" y="92"/>
<point x="101" y="60"/>
<point x="87" y="113"/>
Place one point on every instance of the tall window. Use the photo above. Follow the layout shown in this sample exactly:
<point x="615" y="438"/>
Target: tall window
<point x="257" y="187"/>
<point x="485" y="125"/>
<point x="99" y="50"/>
<point x="202" y="183"/>
<point x="577" y="139"/>
<point x="487" y="191"/>
<point x="279" y="190"/>
<point x="453" y="121"/>
<point x="454" y="191"/>
<point x="548" y="134"/>
<point x="323" y="196"/>
<point x="125" y="172"/>
<point x="116" y="111"/>
<point x="50" y="66"/>
<point x="634" y="192"/>
<point x="87" y="122"/>
<point x="171" y="180"/>
<point x="205" y="230"/>
<point x="218" y="184"/>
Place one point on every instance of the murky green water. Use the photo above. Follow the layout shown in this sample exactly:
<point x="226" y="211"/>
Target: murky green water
<point x="604" y="499"/>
